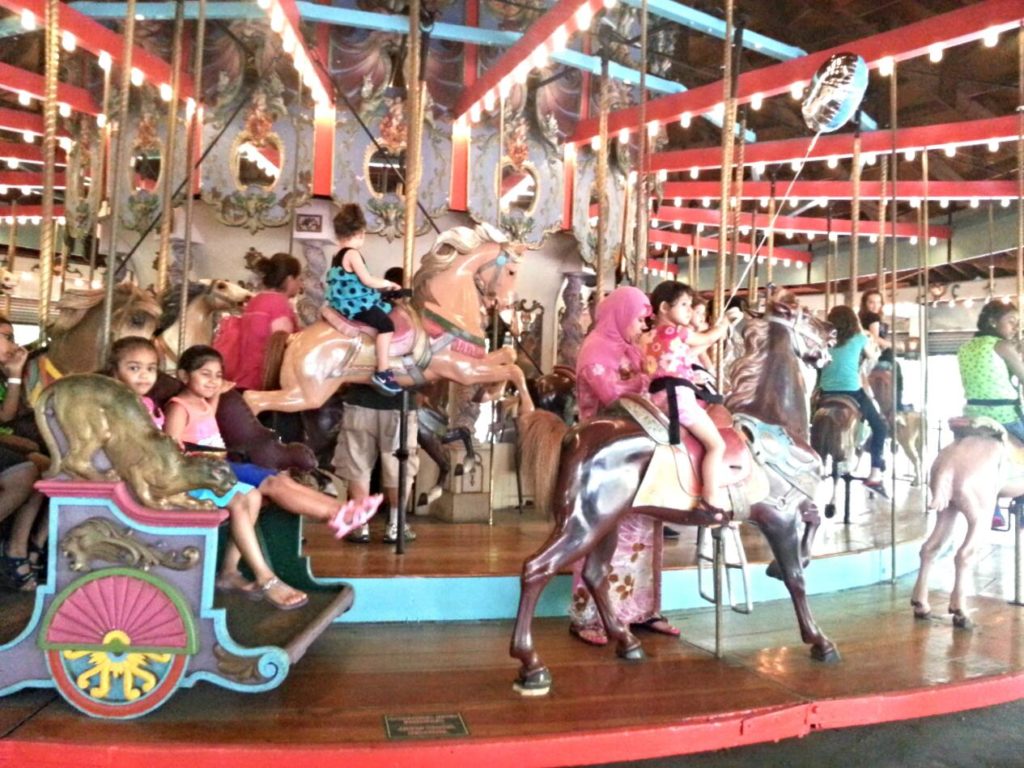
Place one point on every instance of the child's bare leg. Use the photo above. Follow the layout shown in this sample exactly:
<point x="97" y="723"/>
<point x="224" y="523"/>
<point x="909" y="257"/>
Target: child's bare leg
<point x="298" y="498"/>
<point x="714" y="453"/>
<point x="243" y="530"/>
<point x="21" y="526"/>
<point x="383" y="344"/>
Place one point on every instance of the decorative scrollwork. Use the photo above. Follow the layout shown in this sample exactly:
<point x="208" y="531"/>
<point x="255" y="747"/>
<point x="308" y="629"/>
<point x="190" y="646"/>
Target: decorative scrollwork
<point x="241" y="669"/>
<point x="99" y="539"/>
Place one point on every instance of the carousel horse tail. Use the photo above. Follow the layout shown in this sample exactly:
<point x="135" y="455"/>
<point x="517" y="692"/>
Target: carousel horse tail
<point x="943" y="475"/>
<point x="540" y="447"/>
<point x="272" y="360"/>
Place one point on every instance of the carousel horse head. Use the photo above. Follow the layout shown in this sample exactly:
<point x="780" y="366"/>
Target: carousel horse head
<point x="8" y="281"/>
<point x="75" y="334"/>
<point x="461" y="257"/>
<point x="207" y="301"/>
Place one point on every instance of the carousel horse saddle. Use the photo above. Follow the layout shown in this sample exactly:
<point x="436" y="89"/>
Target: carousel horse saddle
<point x="773" y="447"/>
<point x="736" y="465"/>
<point x="840" y="403"/>
<point x="401" y="343"/>
<point x="977" y="426"/>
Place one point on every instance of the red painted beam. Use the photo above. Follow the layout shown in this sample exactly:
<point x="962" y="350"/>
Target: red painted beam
<point x="96" y="38"/>
<point x="843" y="190"/>
<point x="22" y="152"/>
<point x="540" y="33"/>
<point x="837" y="146"/>
<point x="711" y="218"/>
<point x="17" y="80"/>
<point x="29" y="179"/>
<point x="944" y="30"/>
<point x="666" y="237"/>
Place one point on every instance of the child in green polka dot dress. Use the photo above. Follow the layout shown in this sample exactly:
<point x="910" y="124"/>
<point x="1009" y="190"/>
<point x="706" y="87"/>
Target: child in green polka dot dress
<point x="355" y="293"/>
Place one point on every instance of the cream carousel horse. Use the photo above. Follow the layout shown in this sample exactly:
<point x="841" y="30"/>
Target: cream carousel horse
<point x="208" y="300"/>
<point x="439" y="337"/>
<point x="969" y="477"/>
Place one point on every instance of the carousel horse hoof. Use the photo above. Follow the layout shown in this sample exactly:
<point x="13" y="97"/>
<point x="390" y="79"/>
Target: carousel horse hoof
<point x="920" y="612"/>
<point x="960" y="620"/>
<point x="830" y="510"/>
<point x="459" y="470"/>
<point x="634" y="652"/>
<point x="827" y="654"/>
<point x="535" y="683"/>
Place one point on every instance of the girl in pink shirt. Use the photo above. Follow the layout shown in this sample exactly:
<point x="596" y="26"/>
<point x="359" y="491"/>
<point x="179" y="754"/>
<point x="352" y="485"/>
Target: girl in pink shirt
<point x="673" y="350"/>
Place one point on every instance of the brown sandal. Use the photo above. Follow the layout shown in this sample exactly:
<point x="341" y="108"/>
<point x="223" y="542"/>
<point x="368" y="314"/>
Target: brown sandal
<point x="709" y="515"/>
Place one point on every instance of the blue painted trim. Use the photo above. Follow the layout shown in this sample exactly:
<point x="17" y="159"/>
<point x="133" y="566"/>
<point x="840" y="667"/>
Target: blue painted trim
<point x="164" y="11"/>
<point x="46" y="682"/>
<point x="10" y="28"/>
<point x="710" y="25"/>
<point x="408" y="599"/>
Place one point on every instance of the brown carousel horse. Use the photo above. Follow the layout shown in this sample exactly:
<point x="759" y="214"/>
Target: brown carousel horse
<point x="605" y="465"/>
<point x="835" y="428"/>
<point x="207" y="301"/>
<point x="75" y="334"/>
<point x="439" y="337"/>
<point x="556" y="392"/>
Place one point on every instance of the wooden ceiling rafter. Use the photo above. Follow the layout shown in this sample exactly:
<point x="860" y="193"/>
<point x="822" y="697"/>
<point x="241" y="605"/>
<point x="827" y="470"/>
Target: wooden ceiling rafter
<point x="942" y="31"/>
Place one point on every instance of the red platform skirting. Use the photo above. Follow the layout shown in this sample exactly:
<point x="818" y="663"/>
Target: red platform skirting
<point x="730" y="729"/>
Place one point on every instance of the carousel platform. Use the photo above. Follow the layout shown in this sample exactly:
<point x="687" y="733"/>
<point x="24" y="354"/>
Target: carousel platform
<point x="440" y="692"/>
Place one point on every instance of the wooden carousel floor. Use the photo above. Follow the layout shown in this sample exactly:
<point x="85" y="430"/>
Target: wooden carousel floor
<point x="499" y="549"/>
<point x="332" y="708"/>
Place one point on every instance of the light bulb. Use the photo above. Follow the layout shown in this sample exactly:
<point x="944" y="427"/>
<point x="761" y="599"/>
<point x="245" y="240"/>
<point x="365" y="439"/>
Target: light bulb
<point x="68" y="41"/>
<point x="137" y="77"/>
<point x="685" y="119"/>
<point x="756" y="101"/>
<point x="695" y="173"/>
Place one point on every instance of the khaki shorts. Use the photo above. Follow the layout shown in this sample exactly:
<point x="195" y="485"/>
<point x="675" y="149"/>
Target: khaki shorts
<point x="366" y="434"/>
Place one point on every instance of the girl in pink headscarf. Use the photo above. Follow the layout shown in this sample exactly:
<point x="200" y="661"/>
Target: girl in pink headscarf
<point x="609" y="365"/>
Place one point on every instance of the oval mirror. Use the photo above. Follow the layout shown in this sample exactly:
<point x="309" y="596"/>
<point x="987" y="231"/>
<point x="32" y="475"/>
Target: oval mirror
<point x="257" y="161"/>
<point x="146" y="163"/>
<point x="518" y="188"/>
<point x="385" y="171"/>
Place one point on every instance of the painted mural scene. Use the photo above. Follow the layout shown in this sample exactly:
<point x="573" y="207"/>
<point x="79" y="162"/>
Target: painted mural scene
<point x="545" y="383"/>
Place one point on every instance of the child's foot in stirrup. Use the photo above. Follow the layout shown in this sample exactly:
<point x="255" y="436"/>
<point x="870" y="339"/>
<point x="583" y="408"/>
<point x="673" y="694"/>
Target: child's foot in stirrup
<point x="999" y="521"/>
<point x="707" y="514"/>
<point x="384" y="382"/>
<point x="354" y="514"/>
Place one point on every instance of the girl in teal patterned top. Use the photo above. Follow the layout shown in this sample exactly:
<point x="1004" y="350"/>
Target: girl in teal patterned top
<point x="987" y="363"/>
<point x="355" y="293"/>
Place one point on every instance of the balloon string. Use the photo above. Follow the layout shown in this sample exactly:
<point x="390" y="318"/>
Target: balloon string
<point x="771" y="224"/>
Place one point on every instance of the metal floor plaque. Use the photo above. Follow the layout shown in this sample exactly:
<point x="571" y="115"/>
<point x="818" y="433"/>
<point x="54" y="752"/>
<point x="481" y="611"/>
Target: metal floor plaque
<point x="407" y="727"/>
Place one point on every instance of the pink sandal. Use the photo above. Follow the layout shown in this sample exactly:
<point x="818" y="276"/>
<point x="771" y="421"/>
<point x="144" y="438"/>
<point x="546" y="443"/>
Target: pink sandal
<point x="354" y="514"/>
<point x="589" y="635"/>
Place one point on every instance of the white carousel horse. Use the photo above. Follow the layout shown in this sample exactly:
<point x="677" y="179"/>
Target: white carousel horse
<point x="208" y="300"/>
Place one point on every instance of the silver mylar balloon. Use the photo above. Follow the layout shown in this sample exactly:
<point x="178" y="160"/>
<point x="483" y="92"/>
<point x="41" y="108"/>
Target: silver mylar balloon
<point x="835" y="93"/>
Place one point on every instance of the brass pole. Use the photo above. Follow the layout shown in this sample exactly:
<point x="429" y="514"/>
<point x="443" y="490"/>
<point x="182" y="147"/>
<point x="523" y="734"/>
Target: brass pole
<point x="769" y="274"/>
<point x="728" y="125"/>
<point x="601" y="181"/>
<point x="116" y="171"/>
<point x="167" y="222"/>
<point x="853" y="289"/>
<point x="414" y="118"/>
<point x="893" y="128"/>
<point x="12" y="251"/>
<point x="194" y="126"/>
<point x="642" y="203"/>
<point x="880" y="266"/>
<point x="46" y="244"/>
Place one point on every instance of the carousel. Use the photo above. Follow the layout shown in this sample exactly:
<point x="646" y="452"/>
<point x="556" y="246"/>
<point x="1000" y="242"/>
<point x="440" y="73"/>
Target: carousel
<point x="231" y="232"/>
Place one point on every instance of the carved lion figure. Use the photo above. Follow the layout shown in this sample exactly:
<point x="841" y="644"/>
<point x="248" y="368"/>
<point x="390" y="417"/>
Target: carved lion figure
<point x="82" y="414"/>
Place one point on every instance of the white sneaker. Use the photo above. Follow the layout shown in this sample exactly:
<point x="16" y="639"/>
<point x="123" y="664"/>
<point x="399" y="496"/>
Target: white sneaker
<point x="391" y="535"/>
